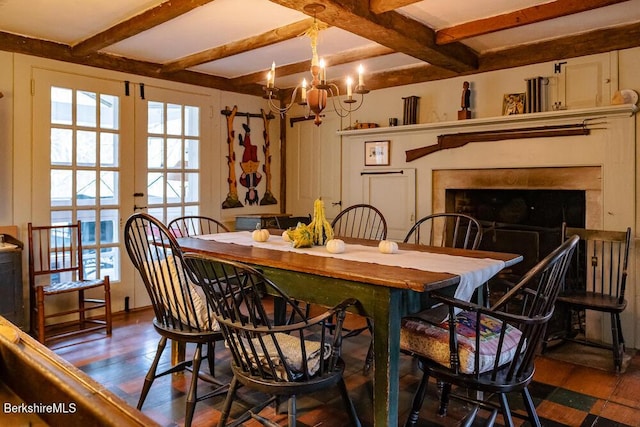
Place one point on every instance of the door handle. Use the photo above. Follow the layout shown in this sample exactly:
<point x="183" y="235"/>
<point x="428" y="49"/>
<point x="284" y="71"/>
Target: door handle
<point x="338" y="203"/>
<point x="137" y="208"/>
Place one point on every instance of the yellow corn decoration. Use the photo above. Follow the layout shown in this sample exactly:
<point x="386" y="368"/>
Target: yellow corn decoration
<point x="320" y="228"/>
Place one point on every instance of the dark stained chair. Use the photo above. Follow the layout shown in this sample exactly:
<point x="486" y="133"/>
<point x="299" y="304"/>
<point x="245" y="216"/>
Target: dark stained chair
<point x="282" y="361"/>
<point x="488" y="350"/>
<point x="362" y="221"/>
<point x="56" y="267"/>
<point x="450" y="230"/>
<point x="181" y="311"/>
<point x="195" y="225"/>
<point x="597" y="281"/>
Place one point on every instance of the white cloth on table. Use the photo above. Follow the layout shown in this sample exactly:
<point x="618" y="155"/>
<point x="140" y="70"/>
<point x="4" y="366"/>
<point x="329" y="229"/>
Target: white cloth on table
<point x="473" y="272"/>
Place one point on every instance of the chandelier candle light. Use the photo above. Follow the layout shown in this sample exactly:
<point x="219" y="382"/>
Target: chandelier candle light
<point x="314" y="94"/>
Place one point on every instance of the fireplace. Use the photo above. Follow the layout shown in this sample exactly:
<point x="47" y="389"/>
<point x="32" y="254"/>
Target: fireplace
<point x="521" y="221"/>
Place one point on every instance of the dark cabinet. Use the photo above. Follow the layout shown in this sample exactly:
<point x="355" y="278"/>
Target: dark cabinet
<point x="11" y="306"/>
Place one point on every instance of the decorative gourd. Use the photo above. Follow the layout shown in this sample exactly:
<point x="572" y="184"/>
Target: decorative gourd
<point x="260" y="235"/>
<point x="301" y="236"/>
<point x="285" y="235"/>
<point x="335" y="246"/>
<point x="319" y="226"/>
<point x="387" y="247"/>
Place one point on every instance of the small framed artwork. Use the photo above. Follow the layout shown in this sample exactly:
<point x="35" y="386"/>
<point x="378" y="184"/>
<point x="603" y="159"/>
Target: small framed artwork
<point x="376" y="153"/>
<point x="513" y="103"/>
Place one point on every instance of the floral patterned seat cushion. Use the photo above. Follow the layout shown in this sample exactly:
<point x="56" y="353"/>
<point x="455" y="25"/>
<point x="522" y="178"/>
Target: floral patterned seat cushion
<point x="432" y="341"/>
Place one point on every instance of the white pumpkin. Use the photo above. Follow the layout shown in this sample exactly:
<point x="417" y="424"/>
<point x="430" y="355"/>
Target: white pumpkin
<point x="260" y="235"/>
<point x="387" y="247"/>
<point x="335" y="246"/>
<point x="285" y="236"/>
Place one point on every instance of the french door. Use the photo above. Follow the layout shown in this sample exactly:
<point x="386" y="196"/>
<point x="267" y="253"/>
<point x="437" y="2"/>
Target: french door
<point x="101" y="152"/>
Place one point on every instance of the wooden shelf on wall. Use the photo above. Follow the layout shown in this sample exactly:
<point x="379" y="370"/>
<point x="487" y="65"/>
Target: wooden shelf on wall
<point x="506" y="121"/>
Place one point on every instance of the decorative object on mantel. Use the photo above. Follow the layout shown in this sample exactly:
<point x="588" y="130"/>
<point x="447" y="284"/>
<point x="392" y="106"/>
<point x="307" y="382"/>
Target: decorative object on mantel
<point x="513" y="103"/>
<point x="358" y="125"/>
<point x="465" y="102"/>
<point x="456" y="140"/>
<point x="315" y="97"/>
<point x="232" y="200"/>
<point x="625" y="96"/>
<point x="410" y="114"/>
<point x="536" y="95"/>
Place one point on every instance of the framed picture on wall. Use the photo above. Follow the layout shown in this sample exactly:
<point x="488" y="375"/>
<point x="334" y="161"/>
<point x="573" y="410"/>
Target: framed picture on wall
<point x="376" y="153"/>
<point x="513" y="103"/>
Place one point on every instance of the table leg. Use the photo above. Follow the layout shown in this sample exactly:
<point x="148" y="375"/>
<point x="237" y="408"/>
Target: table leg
<point x="178" y="350"/>
<point x="386" y="345"/>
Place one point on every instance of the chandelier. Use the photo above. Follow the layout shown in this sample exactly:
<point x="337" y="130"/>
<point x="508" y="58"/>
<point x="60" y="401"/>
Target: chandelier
<point x="314" y="94"/>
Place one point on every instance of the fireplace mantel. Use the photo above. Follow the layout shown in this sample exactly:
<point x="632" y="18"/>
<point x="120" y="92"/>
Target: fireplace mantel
<point x="505" y="121"/>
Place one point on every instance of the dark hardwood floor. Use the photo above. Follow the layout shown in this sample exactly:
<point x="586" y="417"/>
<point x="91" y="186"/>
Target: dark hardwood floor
<point x="566" y="394"/>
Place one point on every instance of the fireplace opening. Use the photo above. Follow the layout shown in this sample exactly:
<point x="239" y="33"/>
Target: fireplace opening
<point x="526" y="222"/>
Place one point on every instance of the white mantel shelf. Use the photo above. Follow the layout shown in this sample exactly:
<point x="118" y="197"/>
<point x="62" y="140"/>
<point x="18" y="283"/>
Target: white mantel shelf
<point x="507" y="121"/>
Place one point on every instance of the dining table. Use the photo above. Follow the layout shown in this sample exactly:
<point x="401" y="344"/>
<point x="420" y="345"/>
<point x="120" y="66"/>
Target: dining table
<point x="386" y="286"/>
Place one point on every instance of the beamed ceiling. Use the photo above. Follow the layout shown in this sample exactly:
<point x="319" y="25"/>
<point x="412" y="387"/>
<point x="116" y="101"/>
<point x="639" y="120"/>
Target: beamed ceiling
<point x="230" y="44"/>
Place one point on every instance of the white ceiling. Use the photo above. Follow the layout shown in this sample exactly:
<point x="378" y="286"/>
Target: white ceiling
<point x="219" y="22"/>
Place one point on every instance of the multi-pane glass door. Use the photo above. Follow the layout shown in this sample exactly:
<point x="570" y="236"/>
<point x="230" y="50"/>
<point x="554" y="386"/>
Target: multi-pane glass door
<point x="173" y="160"/>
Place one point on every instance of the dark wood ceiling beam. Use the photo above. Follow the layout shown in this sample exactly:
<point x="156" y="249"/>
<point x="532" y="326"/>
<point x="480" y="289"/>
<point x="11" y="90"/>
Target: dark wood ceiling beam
<point x="148" y="19"/>
<point x="266" y="39"/>
<point x="599" y="41"/>
<point x="381" y="6"/>
<point x="518" y="18"/>
<point x="594" y="42"/>
<point x="61" y="52"/>
<point x="390" y="29"/>
<point x="352" y="55"/>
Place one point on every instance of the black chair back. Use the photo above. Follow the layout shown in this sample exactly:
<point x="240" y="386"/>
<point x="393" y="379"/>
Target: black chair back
<point x="360" y="221"/>
<point x="450" y="230"/>
<point x="195" y="225"/>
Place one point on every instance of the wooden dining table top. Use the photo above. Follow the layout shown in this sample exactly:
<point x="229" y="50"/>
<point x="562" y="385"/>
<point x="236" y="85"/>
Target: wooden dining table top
<point x="383" y="275"/>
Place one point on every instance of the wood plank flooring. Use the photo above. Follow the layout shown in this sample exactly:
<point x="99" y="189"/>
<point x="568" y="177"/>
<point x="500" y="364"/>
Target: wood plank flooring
<point x="566" y="394"/>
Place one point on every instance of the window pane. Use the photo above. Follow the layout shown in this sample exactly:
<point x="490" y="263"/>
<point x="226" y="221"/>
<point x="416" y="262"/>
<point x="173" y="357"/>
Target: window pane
<point x="61" y="187"/>
<point x="61" y="147"/>
<point x="86" y="188"/>
<point x="173" y="212"/>
<point x="155" y="114"/>
<point x="61" y="101"/>
<point x="155" y="188"/>
<point x="192" y="210"/>
<point x="109" y="111"/>
<point x="109" y="187"/>
<point x="109" y="149"/>
<point x="174" y="187"/>
<point x="174" y="119"/>
<point x="86" y="148"/>
<point x="157" y="213"/>
<point x="61" y="217"/>
<point x="155" y="152"/>
<point x="174" y="153"/>
<point x="109" y="263"/>
<point x="191" y="187"/>
<point x="87" y="218"/>
<point x="191" y="121"/>
<point x="86" y="109"/>
<point x="191" y="154"/>
<point x="109" y="220"/>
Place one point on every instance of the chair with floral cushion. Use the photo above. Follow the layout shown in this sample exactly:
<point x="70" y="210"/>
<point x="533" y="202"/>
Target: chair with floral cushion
<point x="488" y="350"/>
<point x="181" y="311"/>
<point x="280" y="360"/>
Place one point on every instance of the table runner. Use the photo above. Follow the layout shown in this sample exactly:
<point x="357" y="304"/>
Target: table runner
<point x="473" y="272"/>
